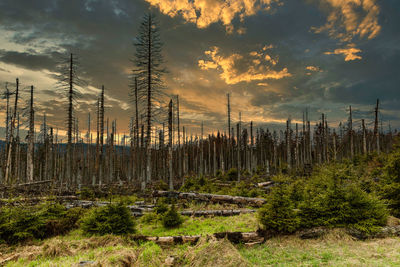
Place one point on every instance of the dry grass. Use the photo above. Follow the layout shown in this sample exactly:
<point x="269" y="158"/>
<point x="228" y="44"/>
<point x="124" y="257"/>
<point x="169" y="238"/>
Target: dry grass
<point x="334" y="249"/>
<point x="210" y="253"/>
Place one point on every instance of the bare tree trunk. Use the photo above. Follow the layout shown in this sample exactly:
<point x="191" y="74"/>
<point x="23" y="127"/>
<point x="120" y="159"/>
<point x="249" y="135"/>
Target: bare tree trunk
<point x="101" y="118"/>
<point x="70" y="119"/>
<point x="179" y="138"/>
<point x="8" y="166"/>
<point x="376" y="130"/>
<point x="351" y="134"/>
<point x="334" y="146"/>
<point x="170" y="180"/>
<point x="251" y="148"/>
<point x="364" y="137"/>
<point x="288" y="140"/>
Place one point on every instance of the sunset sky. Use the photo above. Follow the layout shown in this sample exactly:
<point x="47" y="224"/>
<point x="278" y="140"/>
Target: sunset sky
<point x="275" y="57"/>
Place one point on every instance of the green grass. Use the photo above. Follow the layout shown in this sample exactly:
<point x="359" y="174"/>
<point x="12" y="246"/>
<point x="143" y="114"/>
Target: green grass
<point x="202" y="226"/>
<point x="291" y="251"/>
<point x="336" y="249"/>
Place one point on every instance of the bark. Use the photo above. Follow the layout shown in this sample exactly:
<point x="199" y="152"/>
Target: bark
<point x="256" y="202"/>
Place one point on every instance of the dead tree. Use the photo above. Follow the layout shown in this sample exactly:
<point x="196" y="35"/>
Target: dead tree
<point x="170" y="177"/>
<point x="148" y="60"/>
<point x="376" y="130"/>
<point x="31" y="137"/>
<point x="9" y="159"/>
<point x="351" y="134"/>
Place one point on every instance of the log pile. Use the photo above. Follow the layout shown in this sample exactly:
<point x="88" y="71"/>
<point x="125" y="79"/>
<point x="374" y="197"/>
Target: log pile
<point x="244" y="201"/>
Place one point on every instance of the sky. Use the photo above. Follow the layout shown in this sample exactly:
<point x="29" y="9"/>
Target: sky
<point x="276" y="58"/>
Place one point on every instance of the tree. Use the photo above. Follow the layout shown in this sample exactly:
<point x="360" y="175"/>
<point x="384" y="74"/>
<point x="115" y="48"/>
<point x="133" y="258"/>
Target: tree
<point x="68" y="81"/>
<point x="148" y="71"/>
<point x="31" y="137"/>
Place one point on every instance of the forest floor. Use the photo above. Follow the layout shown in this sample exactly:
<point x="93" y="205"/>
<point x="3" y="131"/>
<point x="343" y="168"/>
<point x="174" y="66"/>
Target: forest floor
<point x="75" y="249"/>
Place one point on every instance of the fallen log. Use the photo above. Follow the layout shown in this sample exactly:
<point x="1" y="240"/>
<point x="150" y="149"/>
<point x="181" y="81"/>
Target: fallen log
<point x="265" y="184"/>
<point x="169" y="240"/>
<point x="255" y="202"/>
<point x="200" y="213"/>
<point x="26" y="184"/>
<point x="240" y="237"/>
<point x="34" y="200"/>
<point x="234" y="237"/>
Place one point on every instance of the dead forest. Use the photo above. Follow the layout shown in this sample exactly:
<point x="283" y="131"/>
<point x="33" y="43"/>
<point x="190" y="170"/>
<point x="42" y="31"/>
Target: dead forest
<point x="159" y="148"/>
<point x="109" y="157"/>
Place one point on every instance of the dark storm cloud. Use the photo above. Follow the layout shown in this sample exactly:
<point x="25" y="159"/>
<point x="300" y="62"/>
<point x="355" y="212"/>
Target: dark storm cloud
<point x="27" y="60"/>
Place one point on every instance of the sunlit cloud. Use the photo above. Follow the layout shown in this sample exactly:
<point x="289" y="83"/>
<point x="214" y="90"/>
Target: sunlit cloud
<point x="350" y="53"/>
<point x="205" y="12"/>
<point x="311" y="69"/>
<point x="348" y="19"/>
<point x="257" y="67"/>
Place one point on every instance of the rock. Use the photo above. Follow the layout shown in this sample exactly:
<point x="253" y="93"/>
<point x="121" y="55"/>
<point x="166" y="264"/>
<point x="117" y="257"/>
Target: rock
<point x="84" y="263"/>
<point x="356" y="233"/>
<point x="170" y="261"/>
<point x="312" y="233"/>
<point x="388" y="231"/>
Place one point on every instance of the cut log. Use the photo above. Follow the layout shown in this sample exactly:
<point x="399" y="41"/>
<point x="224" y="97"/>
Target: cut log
<point x="168" y="240"/>
<point x="255" y="202"/>
<point x="234" y="237"/>
<point x="240" y="237"/>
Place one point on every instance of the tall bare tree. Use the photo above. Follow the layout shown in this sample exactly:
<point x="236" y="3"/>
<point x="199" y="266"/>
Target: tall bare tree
<point x="148" y="62"/>
<point x="31" y="138"/>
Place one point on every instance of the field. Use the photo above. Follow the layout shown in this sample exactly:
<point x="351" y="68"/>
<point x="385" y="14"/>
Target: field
<point x="334" y="249"/>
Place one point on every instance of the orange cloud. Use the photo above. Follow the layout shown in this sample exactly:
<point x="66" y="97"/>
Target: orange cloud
<point x="205" y="12"/>
<point x="350" y="18"/>
<point x="256" y="70"/>
<point x="313" y="69"/>
<point x="350" y="53"/>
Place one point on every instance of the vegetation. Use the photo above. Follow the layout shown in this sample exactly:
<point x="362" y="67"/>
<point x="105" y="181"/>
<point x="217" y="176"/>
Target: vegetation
<point x="171" y="218"/>
<point x="331" y="197"/>
<point x="18" y="224"/>
<point x="111" y="219"/>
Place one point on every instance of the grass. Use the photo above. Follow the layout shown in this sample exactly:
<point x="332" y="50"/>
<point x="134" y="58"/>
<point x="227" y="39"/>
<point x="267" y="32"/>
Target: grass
<point x="335" y="249"/>
<point x="202" y="226"/>
<point x="292" y="251"/>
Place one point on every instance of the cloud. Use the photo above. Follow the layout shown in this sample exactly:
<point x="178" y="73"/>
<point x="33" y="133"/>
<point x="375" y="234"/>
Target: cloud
<point x="350" y="53"/>
<point x="236" y="68"/>
<point x="27" y="60"/>
<point x="348" y="19"/>
<point x="312" y="69"/>
<point x="205" y="12"/>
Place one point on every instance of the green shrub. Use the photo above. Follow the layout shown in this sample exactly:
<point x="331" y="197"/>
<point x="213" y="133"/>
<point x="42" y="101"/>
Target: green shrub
<point x="172" y="218"/>
<point x="343" y="205"/>
<point x="278" y="214"/>
<point x="149" y="218"/>
<point x="161" y="208"/>
<point x="18" y="224"/>
<point x="390" y="182"/>
<point x="87" y="193"/>
<point x="58" y="220"/>
<point x="232" y="174"/>
<point x="332" y="197"/>
<point x="111" y="219"/>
